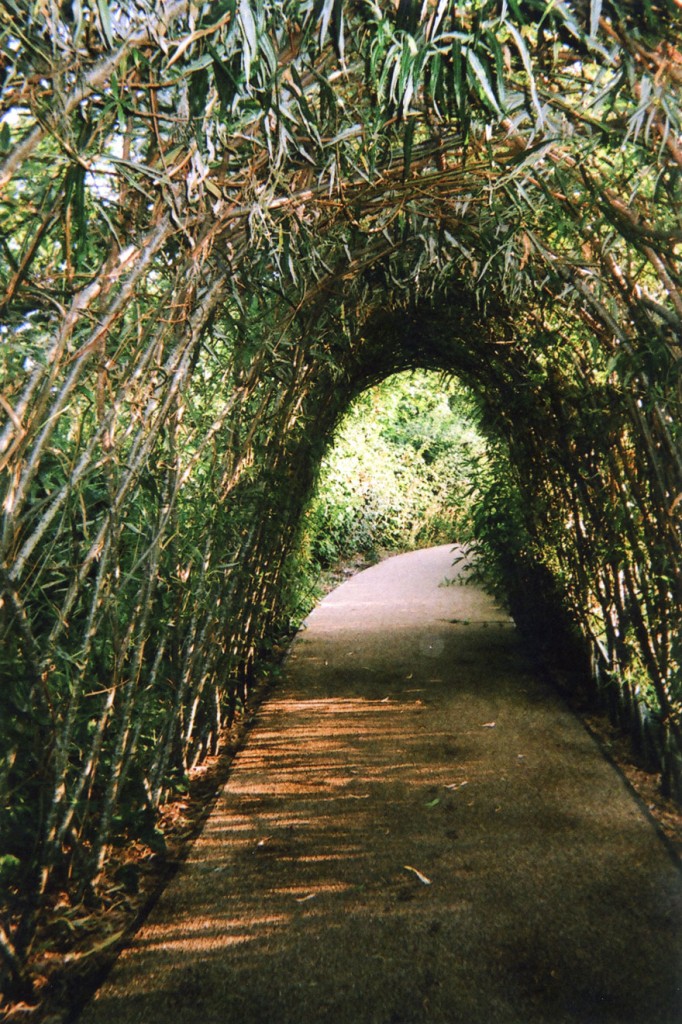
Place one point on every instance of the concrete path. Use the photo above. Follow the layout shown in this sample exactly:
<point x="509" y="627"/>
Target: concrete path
<point x="417" y="831"/>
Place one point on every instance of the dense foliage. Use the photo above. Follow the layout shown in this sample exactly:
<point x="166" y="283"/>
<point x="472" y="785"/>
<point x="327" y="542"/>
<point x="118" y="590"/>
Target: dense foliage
<point x="397" y="476"/>
<point x="221" y="222"/>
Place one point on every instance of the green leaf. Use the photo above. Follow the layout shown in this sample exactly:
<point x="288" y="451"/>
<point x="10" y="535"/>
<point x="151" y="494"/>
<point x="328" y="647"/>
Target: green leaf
<point x="105" y="18"/>
<point x="408" y="141"/>
<point x="595" y="15"/>
<point x="326" y="14"/>
<point x="457" y="84"/>
<point x="496" y="51"/>
<point x="250" y="36"/>
<point x="225" y="83"/>
<point x="9" y="868"/>
<point x="479" y="72"/>
<point x="528" y="67"/>
<point x="338" y="37"/>
<point x="198" y="91"/>
<point x="347" y="133"/>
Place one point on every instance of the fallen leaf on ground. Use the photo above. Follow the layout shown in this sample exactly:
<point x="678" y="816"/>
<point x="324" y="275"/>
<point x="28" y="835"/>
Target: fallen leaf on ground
<point x="488" y="725"/>
<point x="98" y="948"/>
<point x="457" y="785"/>
<point x="422" y="878"/>
<point x="304" y="899"/>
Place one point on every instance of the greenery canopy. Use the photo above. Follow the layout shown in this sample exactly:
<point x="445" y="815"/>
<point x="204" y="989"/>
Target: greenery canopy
<point x="220" y="223"/>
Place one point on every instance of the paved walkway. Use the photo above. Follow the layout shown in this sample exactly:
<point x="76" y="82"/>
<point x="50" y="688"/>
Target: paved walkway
<point x="417" y="831"/>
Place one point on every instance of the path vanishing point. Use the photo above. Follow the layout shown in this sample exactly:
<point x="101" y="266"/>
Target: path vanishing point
<point x="417" y="830"/>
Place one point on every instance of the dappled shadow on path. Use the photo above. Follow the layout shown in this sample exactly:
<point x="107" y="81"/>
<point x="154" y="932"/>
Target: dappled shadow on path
<point x="412" y="837"/>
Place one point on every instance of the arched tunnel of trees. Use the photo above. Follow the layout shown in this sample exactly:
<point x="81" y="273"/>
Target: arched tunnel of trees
<point x="221" y="223"/>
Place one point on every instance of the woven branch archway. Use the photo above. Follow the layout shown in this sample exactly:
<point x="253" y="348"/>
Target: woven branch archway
<point x="222" y="221"/>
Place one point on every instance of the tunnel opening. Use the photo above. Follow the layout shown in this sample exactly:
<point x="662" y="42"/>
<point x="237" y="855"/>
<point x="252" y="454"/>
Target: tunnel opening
<point x="409" y="466"/>
<point x="398" y="474"/>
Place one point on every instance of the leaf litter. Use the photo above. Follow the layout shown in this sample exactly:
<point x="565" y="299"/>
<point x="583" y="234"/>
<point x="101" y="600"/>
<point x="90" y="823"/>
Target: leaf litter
<point x="422" y="878"/>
